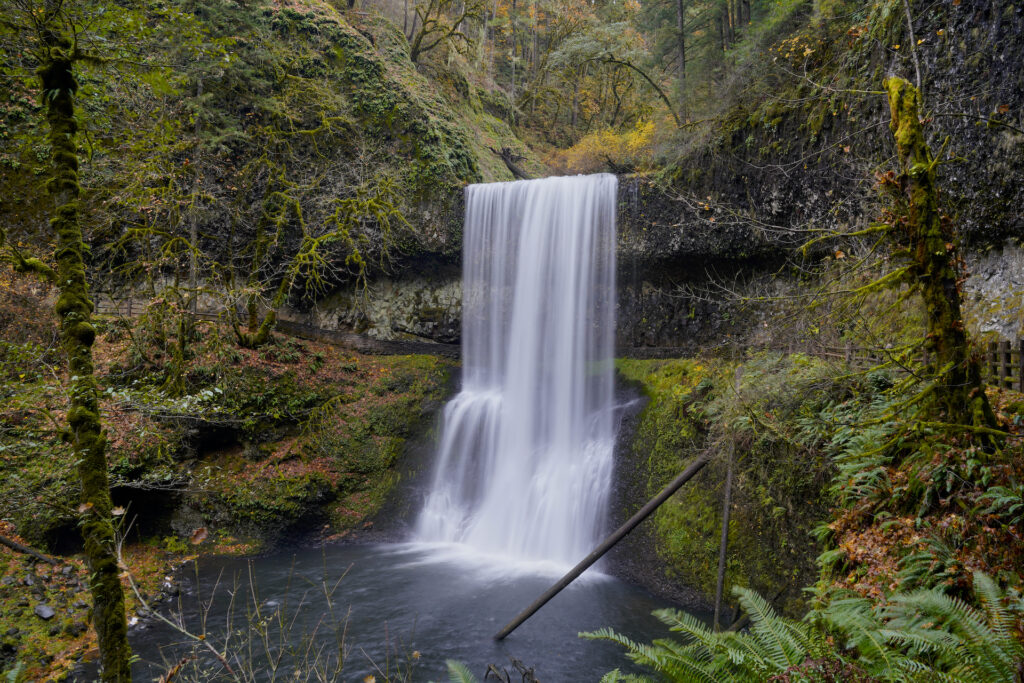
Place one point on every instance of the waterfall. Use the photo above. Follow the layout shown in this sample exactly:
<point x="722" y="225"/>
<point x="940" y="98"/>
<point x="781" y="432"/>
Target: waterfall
<point x="525" y="455"/>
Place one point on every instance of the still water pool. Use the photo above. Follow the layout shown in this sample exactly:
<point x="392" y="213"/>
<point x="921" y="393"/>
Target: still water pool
<point x="394" y="610"/>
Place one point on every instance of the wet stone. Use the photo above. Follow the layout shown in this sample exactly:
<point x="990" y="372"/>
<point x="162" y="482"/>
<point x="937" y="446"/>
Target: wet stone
<point x="44" y="612"/>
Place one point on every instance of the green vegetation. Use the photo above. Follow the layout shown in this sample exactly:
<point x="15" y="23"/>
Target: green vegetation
<point x="923" y="461"/>
<point x="260" y="156"/>
<point x="782" y="477"/>
<point x="292" y="438"/>
<point x="261" y="442"/>
<point x="923" y="635"/>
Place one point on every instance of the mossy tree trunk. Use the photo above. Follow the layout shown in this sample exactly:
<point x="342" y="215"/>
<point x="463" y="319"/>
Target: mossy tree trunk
<point x="681" y="47"/>
<point x="260" y="332"/>
<point x="958" y="391"/>
<point x="74" y="310"/>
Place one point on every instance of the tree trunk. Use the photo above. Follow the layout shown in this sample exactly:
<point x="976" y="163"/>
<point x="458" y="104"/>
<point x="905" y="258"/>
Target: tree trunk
<point x="727" y="37"/>
<point x="511" y="162"/>
<point x="193" y="232"/>
<point x="681" y="27"/>
<point x="720" y="31"/>
<point x="575" y="102"/>
<point x="959" y="392"/>
<point x="512" y="28"/>
<point x="74" y="310"/>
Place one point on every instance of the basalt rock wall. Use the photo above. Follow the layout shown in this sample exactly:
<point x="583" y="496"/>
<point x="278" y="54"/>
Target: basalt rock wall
<point x="789" y="160"/>
<point x="680" y="281"/>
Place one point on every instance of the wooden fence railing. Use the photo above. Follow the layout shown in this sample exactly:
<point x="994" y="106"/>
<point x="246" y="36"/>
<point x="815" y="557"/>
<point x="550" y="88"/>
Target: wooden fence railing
<point x="1002" y="365"/>
<point x="1004" y="361"/>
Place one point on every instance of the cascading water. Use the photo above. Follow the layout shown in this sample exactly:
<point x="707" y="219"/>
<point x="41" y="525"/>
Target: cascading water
<point x="524" y="471"/>
<point x="525" y="459"/>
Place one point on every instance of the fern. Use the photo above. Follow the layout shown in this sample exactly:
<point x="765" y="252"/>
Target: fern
<point x="459" y="672"/>
<point x="617" y="676"/>
<point x="978" y="644"/>
<point x="14" y="675"/>
<point x="1007" y="503"/>
<point x="924" y="635"/>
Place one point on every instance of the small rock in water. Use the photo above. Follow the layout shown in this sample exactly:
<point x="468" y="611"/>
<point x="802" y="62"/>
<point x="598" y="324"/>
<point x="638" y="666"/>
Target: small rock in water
<point x="44" y="611"/>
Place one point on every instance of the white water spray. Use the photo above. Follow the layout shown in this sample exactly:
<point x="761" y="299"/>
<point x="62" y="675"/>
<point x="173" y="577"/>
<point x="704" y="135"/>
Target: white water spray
<point x="525" y="459"/>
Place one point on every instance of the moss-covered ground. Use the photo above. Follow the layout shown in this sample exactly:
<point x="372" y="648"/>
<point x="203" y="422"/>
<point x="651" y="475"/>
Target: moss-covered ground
<point x="294" y="440"/>
<point x="44" y="647"/>
<point x="263" y="439"/>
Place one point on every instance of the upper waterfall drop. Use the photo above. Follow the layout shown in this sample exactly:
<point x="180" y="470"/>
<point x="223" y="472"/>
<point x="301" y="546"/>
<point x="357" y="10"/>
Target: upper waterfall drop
<point x="525" y="457"/>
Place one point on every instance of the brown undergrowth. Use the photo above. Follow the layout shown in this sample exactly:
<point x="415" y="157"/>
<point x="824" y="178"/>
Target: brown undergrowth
<point x="961" y="528"/>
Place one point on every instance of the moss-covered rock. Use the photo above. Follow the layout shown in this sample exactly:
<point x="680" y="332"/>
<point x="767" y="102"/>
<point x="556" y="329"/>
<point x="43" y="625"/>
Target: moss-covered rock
<point x="332" y="468"/>
<point x="780" y="481"/>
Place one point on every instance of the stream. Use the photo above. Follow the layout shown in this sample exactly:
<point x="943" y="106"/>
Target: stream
<point x="433" y="600"/>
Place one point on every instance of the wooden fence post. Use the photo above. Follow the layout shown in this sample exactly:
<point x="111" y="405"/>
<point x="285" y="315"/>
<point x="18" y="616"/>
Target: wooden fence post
<point x="993" y="353"/>
<point x="1020" y="365"/>
<point x="724" y="545"/>
<point x="1005" y="361"/>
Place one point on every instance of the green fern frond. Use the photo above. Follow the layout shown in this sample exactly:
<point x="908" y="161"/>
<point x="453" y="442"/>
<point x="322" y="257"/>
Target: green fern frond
<point x="14" y="675"/>
<point x="924" y="635"/>
<point x="1000" y="619"/>
<point x="683" y="622"/>
<point x="459" y="672"/>
<point x="773" y="632"/>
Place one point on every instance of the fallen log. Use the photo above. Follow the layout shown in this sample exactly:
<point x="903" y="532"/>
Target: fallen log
<point x="25" y="550"/>
<point x="606" y="545"/>
<point x="512" y="160"/>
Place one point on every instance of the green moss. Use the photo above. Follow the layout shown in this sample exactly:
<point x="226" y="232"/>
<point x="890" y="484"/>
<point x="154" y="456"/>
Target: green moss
<point x="45" y="648"/>
<point x="780" y="482"/>
<point x="335" y="465"/>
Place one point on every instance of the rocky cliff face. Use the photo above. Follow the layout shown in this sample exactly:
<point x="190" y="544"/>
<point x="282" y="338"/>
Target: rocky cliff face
<point x="791" y="158"/>
<point x="679" y="287"/>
